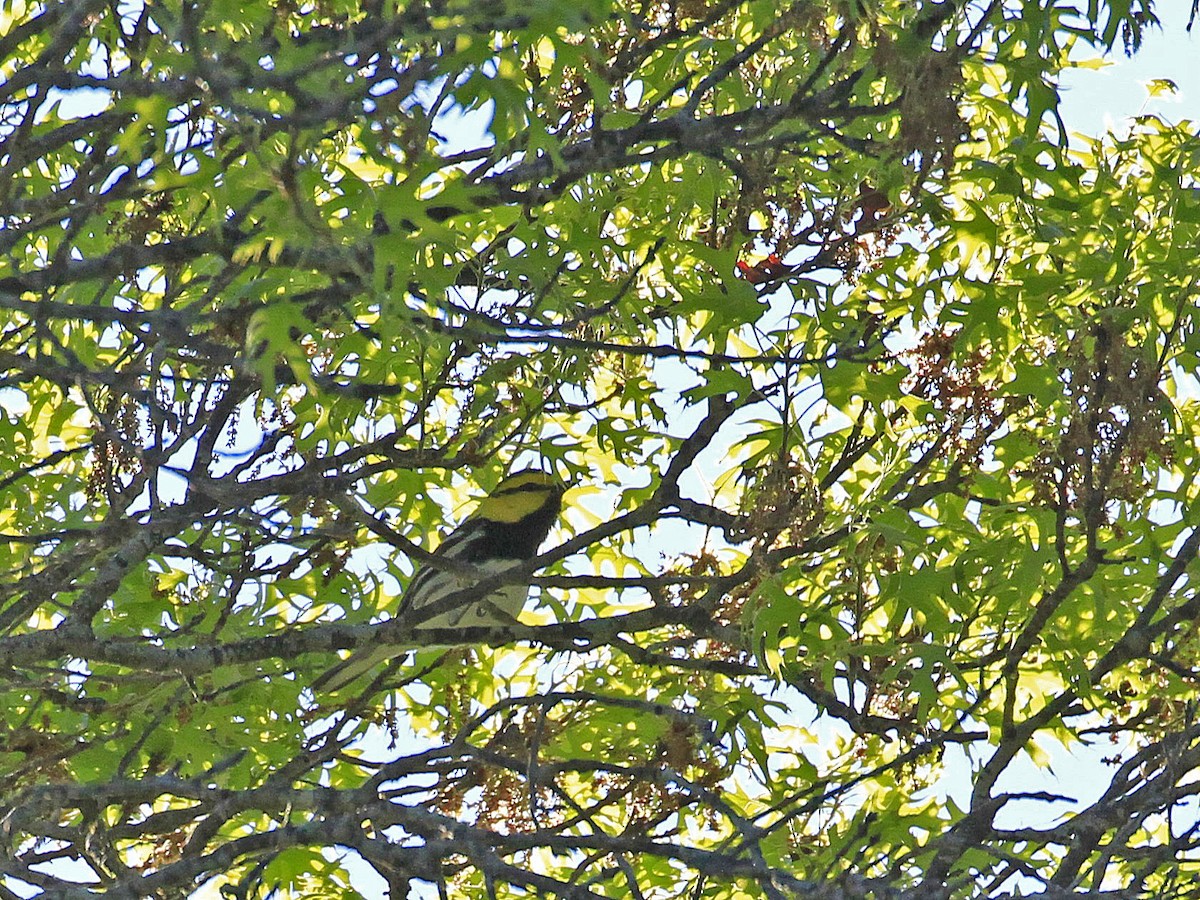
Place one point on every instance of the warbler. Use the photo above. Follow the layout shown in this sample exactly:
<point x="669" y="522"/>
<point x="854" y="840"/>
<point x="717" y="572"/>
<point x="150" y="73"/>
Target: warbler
<point x="506" y="529"/>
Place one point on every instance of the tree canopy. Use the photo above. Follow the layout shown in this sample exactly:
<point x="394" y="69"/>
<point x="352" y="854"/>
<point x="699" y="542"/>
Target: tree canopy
<point x="873" y="390"/>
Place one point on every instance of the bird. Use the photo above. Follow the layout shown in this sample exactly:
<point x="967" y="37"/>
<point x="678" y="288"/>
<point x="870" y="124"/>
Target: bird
<point x="506" y="529"/>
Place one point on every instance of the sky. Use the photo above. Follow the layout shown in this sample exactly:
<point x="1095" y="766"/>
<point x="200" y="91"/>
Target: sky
<point x="1096" y="100"/>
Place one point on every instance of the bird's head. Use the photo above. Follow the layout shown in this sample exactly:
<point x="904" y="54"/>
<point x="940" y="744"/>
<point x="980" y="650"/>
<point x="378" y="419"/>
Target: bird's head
<point x="522" y="494"/>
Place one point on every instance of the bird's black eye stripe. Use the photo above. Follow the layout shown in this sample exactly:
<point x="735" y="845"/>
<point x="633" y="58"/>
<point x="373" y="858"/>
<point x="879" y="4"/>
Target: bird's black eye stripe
<point x="532" y="487"/>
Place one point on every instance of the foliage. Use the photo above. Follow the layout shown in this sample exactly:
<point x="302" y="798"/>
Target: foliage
<point x="875" y="397"/>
